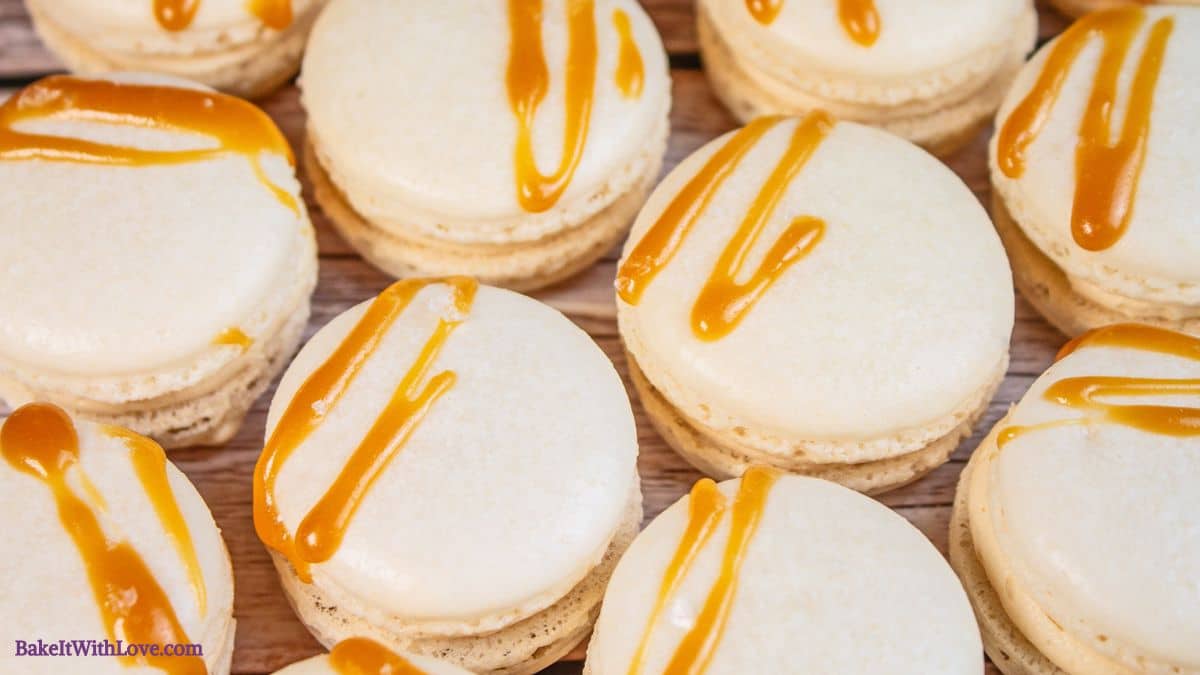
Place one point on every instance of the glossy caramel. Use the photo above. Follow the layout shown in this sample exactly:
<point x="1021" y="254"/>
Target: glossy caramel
<point x="233" y="337"/>
<point x="528" y="82"/>
<point x="724" y="301"/>
<point x="764" y="11"/>
<point x="859" y="18"/>
<point x="177" y="15"/>
<point x="40" y="440"/>
<point x="363" y="656"/>
<point x="630" y="75"/>
<point x="321" y="530"/>
<point x="1107" y="170"/>
<point x="237" y="126"/>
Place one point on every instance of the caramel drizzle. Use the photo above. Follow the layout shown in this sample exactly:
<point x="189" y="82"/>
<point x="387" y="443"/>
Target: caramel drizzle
<point x="528" y="81"/>
<point x="177" y="15"/>
<point x="150" y="464"/>
<point x="1087" y="393"/>
<point x="363" y="656"/>
<point x="859" y="18"/>
<point x="321" y="531"/>
<point x="233" y="337"/>
<point x="706" y="507"/>
<point x="723" y="301"/>
<point x="630" y="75"/>
<point x="40" y="440"/>
<point x="1106" y="171"/>
<point x="236" y="125"/>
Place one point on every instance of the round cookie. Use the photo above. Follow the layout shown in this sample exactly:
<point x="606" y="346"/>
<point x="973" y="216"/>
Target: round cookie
<point x="112" y="543"/>
<point x="519" y="149"/>
<point x="450" y="470"/>
<point x="1068" y="527"/>
<point x="775" y="573"/>
<point x="244" y="48"/>
<point x="168" y="277"/>
<point x="1100" y="230"/>
<point x="886" y="63"/>
<point x="362" y="655"/>
<point x="819" y="296"/>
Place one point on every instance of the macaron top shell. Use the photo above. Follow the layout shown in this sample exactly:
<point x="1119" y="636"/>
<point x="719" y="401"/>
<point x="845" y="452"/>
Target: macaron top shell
<point x="323" y="665"/>
<point x="1096" y="522"/>
<point x="409" y="107"/>
<point x="506" y="493"/>
<point x="895" y="317"/>
<point x="831" y="582"/>
<point x="1156" y="256"/>
<point x="119" y="270"/>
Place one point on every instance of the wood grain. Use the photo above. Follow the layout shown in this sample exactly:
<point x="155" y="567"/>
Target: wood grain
<point x="269" y="636"/>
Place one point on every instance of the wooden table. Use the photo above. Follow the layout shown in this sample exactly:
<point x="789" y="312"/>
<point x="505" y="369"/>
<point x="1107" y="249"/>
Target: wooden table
<point x="269" y="636"/>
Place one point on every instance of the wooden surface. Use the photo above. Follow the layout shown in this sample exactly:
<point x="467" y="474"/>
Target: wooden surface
<point x="269" y="636"/>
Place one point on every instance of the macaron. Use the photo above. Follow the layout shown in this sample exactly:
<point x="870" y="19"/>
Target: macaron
<point x="363" y="656"/>
<point x="894" y="64"/>
<point x="1077" y="8"/>
<point x="156" y="256"/>
<point x="111" y="555"/>
<point x="510" y="141"/>
<point x="815" y="295"/>
<point x="449" y="470"/>
<point x="1092" y="168"/>
<point x="1074" y="527"/>
<point x="773" y="573"/>
<point x="247" y="48"/>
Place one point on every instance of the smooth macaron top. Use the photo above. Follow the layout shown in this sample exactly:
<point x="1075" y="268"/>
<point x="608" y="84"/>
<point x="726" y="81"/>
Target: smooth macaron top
<point x="827" y="581"/>
<point x="411" y="108"/>
<point x="1088" y="513"/>
<point x="174" y="226"/>
<point x="1151" y="135"/>
<point x="117" y="493"/>
<point x="896" y="311"/>
<point x="506" y="484"/>
<point x="363" y="655"/>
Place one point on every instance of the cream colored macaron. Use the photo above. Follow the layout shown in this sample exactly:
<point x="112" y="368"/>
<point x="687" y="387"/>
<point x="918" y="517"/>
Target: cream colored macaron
<point x="363" y="656"/>
<point x="109" y="547"/>
<point x="244" y="47"/>
<point x="1092" y="166"/>
<point x="1078" y="8"/>
<point x="774" y="573"/>
<point x="894" y="64"/>
<point x="816" y="295"/>
<point x="511" y="141"/>
<point x="156" y="256"/>
<point x="450" y="469"/>
<point x="1074" y="526"/>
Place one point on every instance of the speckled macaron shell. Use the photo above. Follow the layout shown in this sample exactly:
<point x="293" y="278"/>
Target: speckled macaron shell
<point x="1153" y="265"/>
<point x="50" y="597"/>
<point x="1086" y="530"/>
<point x="831" y="582"/>
<point x="506" y="494"/>
<point x="321" y="665"/>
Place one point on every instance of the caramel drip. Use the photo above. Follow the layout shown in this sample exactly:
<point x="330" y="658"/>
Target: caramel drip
<point x="321" y="530"/>
<point x="764" y="11"/>
<point x="528" y="81"/>
<point x="237" y="126"/>
<point x="859" y="18"/>
<point x="1106" y="171"/>
<point x="706" y="505"/>
<point x="363" y="656"/>
<point x="723" y="301"/>
<point x="150" y="463"/>
<point x="176" y="15"/>
<point x="233" y="337"/>
<point x="630" y="75"/>
<point x="1087" y="393"/>
<point x="40" y="440"/>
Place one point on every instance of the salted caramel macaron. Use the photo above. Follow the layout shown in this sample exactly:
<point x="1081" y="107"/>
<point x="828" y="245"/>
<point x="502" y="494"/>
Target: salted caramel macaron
<point x="893" y="64"/>
<point x="450" y="470"/>
<point x="155" y="255"/>
<point x="244" y="47"/>
<point x="1077" y="8"/>
<point x="510" y="141"/>
<point x="772" y="573"/>
<point x="363" y="656"/>
<point x="108" y="542"/>
<point x="1074" y="526"/>
<point x="1092" y="168"/>
<point x="820" y="296"/>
